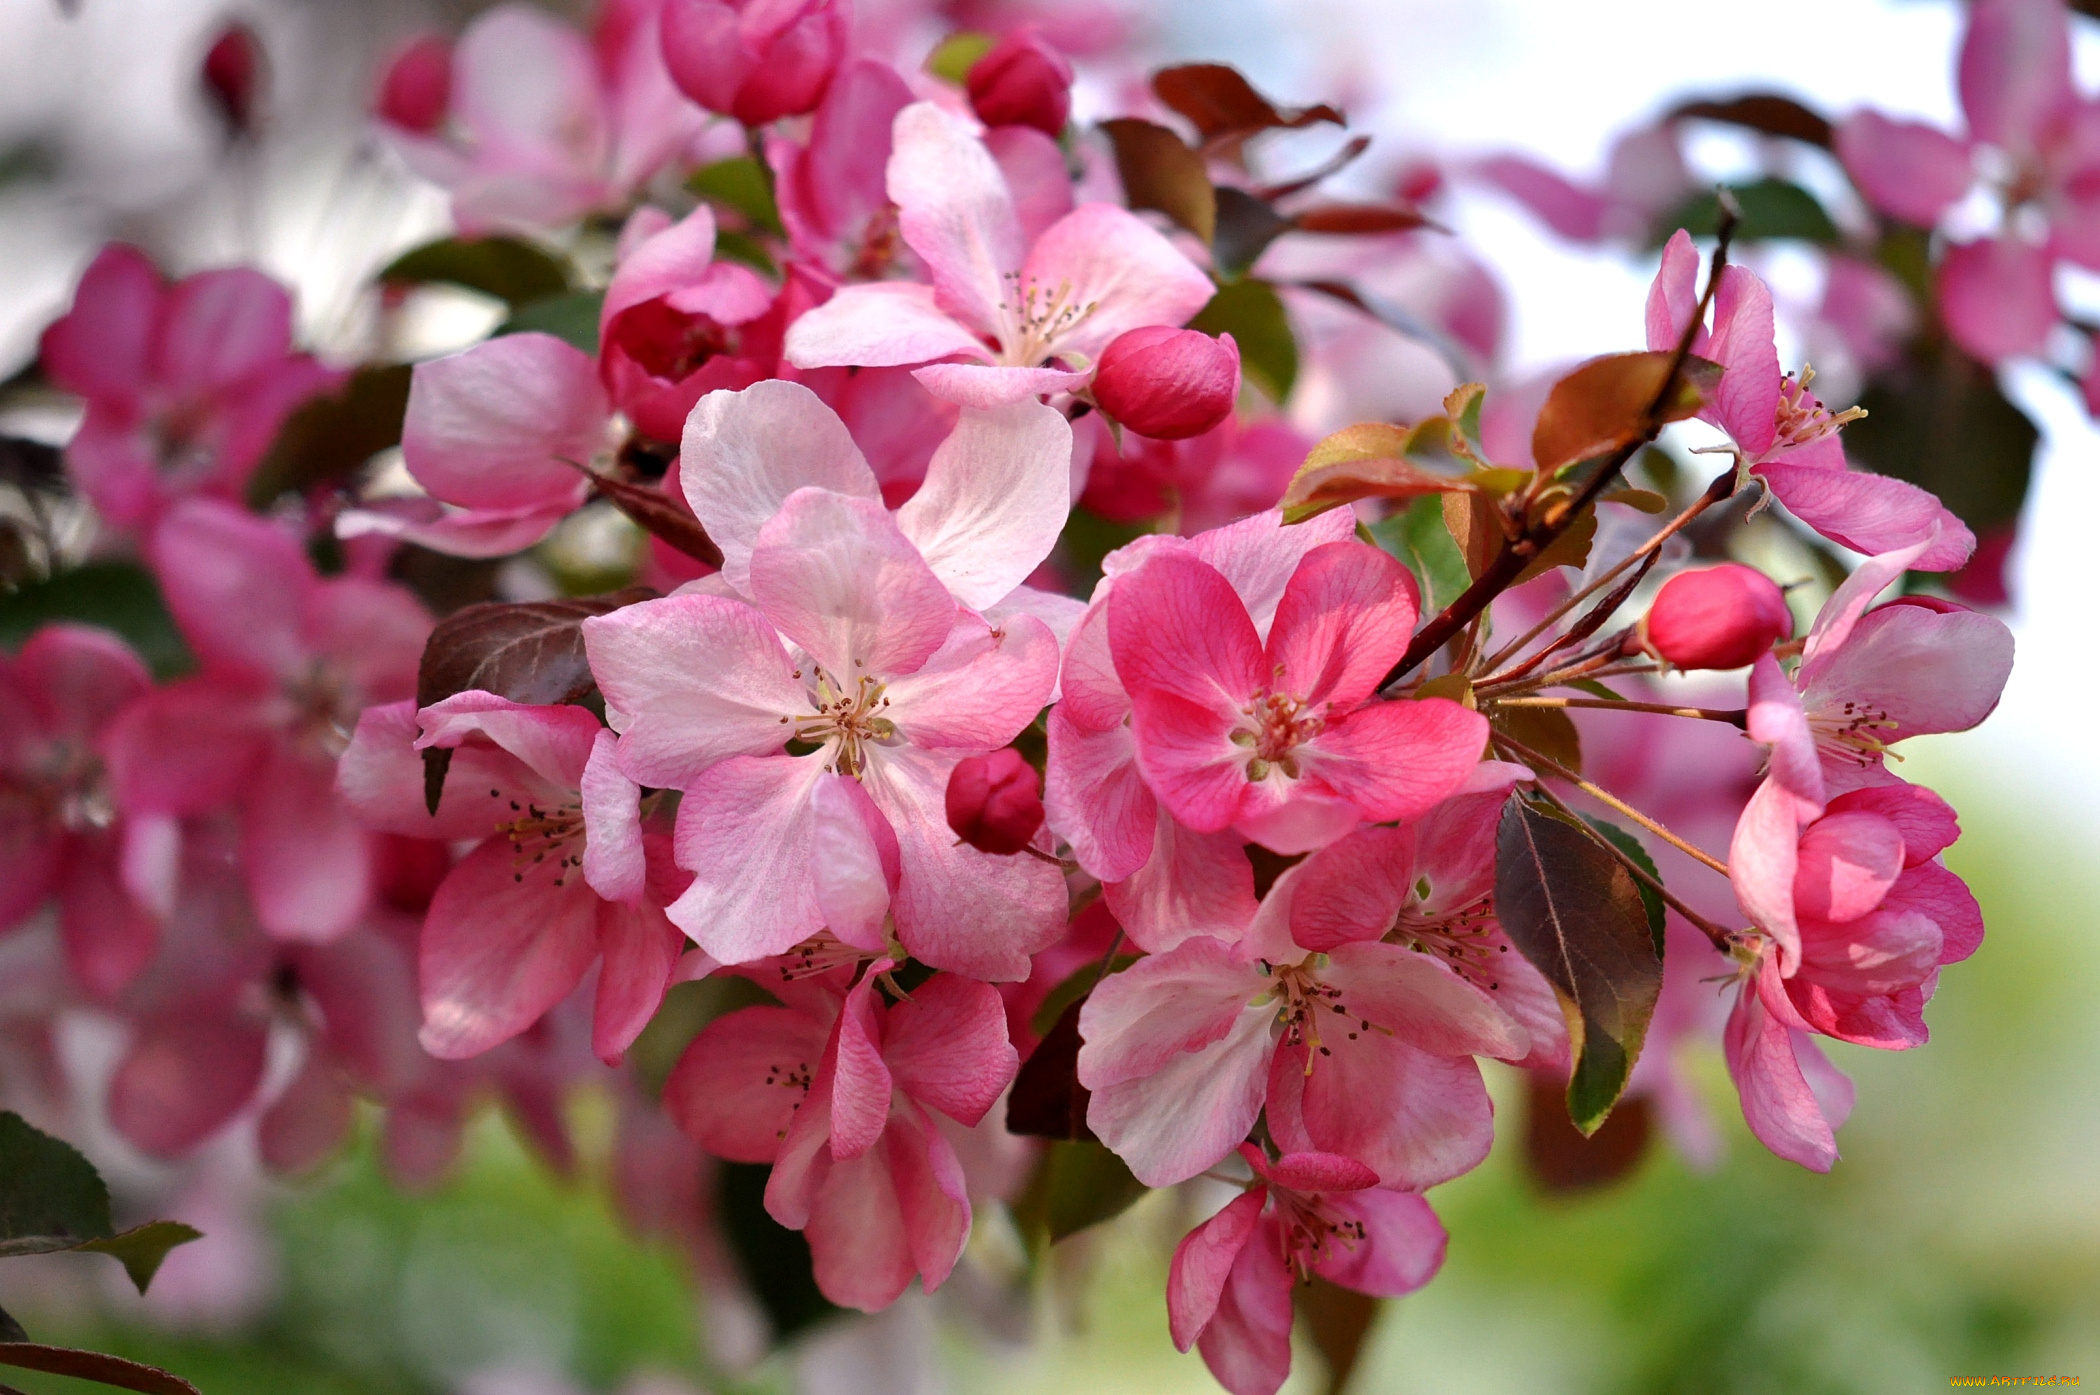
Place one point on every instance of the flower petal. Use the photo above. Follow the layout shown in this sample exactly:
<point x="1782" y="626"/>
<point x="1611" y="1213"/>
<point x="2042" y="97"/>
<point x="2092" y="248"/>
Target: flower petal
<point x="1117" y="263"/>
<point x="839" y="578"/>
<point x="995" y="498"/>
<point x="506" y="424"/>
<point x="500" y="947"/>
<point x="954" y="209"/>
<point x="747" y="832"/>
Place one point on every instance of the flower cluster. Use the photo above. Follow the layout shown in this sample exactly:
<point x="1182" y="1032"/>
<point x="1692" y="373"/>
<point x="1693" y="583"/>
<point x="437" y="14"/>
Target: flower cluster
<point x="1026" y="738"/>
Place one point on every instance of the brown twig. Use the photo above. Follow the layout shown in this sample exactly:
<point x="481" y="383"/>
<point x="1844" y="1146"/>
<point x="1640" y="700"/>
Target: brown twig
<point x="1735" y="716"/>
<point x="1605" y="796"/>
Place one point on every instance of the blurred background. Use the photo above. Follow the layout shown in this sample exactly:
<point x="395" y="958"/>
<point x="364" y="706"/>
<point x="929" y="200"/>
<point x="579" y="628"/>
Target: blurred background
<point x="1960" y="1235"/>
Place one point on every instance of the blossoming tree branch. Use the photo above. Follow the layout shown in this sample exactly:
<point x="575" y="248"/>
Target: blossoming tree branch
<point x="1049" y="728"/>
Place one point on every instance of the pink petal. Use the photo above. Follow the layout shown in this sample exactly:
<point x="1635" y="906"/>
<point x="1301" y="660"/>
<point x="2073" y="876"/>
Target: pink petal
<point x="1035" y="171"/>
<point x="613" y="862"/>
<point x="980" y="689"/>
<point x="857" y="862"/>
<point x="837" y="577"/>
<point x="309" y="863"/>
<point x="1260" y="554"/>
<point x="1166" y="1005"/>
<point x="1311" y="1172"/>
<point x="1091" y="696"/>
<point x="1997" y="297"/>
<point x="737" y="1087"/>
<point x="1343" y="619"/>
<point x="1400" y="1249"/>
<point x="525" y="87"/>
<point x="1355" y="889"/>
<point x="237" y="584"/>
<point x="379" y="778"/>
<point x="308" y="1121"/>
<point x="745" y="452"/>
<point x="995" y="499"/>
<point x="78" y="678"/>
<point x="1927" y="672"/>
<point x="639" y="946"/>
<point x="669" y="261"/>
<point x="1906" y="168"/>
<point x="370" y="632"/>
<point x="1416" y="1119"/>
<point x="1673" y="298"/>
<point x="555" y="742"/>
<point x="220" y="327"/>
<point x="1398" y="759"/>
<point x="1932" y="891"/>
<point x="497" y="952"/>
<point x="829" y="190"/>
<point x="2015" y="72"/>
<point x="506" y="424"/>
<point x="957" y="908"/>
<point x="947" y="1047"/>
<point x="1420" y="1001"/>
<point x="932" y="1194"/>
<point x="108" y="937"/>
<point x="1116" y="262"/>
<point x="1203" y="1263"/>
<point x="747" y="831"/>
<point x="880" y="324"/>
<point x="691" y="680"/>
<point x="1247" y="1344"/>
<point x="956" y="212"/>
<point x="1777" y="718"/>
<point x="1574" y="212"/>
<point x="861" y="1083"/>
<point x="455" y="532"/>
<point x="1777" y="1102"/>
<point x="1762" y="862"/>
<point x="1746" y="402"/>
<point x="1886" y="950"/>
<point x="1871" y="513"/>
<point x="99" y="348"/>
<point x="1097" y="801"/>
<point x="185" y="748"/>
<point x="1185" y="1116"/>
<point x="185" y="1077"/>
<point x="989" y="386"/>
<point x="1193" y="884"/>
<point x="1846" y="863"/>
<point x="1927" y="823"/>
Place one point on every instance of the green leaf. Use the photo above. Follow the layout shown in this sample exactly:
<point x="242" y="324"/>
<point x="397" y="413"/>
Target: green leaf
<point x="1075" y="987"/>
<point x="1772" y="208"/>
<point x="952" y="58"/>
<point x="1576" y="914"/>
<point x="330" y="438"/>
<point x="1253" y="314"/>
<point x="1651" y="899"/>
<point x="1077" y="1184"/>
<point x="743" y="184"/>
<point x="118" y="596"/>
<point x="48" y="1191"/>
<point x="95" y="1366"/>
<point x="571" y="316"/>
<point x="513" y="271"/>
<point x="1418" y="537"/>
<point x="742" y="247"/>
<point x="142" y="1248"/>
<point x="1595" y="689"/>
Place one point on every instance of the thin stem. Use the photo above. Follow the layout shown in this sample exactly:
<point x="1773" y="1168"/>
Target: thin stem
<point x="1101" y="969"/>
<point x="1605" y="796"/>
<point x="1518" y="553"/>
<point x="1607" y="665"/>
<point x="1722" y="488"/>
<point x="1735" y="716"/>
<point x="1589" y="624"/>
<point x="1721" y="939"/>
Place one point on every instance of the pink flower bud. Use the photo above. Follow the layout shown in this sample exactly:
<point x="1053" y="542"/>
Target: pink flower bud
<point x="1168" y="383"/>
<point x="233" y="76"/>
<point x="417" y="89"/>
<point x="1022" y="82"/>
<point x="994" y="802"/>
<point x="755" y="60"/>
<point x="1722" y="617"/>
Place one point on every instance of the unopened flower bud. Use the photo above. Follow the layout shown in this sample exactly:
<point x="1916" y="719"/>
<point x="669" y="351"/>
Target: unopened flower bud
<point x="1722" y="617"/>
<point x="417" y="89"/>
<point x="1022" y="82"/>
<point x="1168" y="383"/>
<point x="232" y="76"/>
<point x="755" y="60"/>
<point x="995" y="802"/>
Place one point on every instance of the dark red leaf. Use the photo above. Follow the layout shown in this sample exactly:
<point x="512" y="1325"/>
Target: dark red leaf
<point x="1606" y="404"/>
<point x="1221" y="103"/>
<point x="1561" y="1159"/>
<point x="662" y="516"/>
<point x="1047" y="1100"/>
<point x="1766" y="112"/>
<point x="1339" y="1320"/>
<point x="1361" y="218"/>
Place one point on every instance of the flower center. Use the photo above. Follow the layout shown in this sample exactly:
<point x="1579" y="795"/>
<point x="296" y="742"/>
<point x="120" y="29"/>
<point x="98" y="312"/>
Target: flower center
<point x="1849" y="732"/>
<point x="323" y="707"/>
<point x="1304" y="1004"/>
<point x="1310" y="1232"/>
<point x="796" y="1077"/>
<point x="1036" y="319"/>
<point x="1801" y="418"/>
<point x="1462" y="939"/>
<point x="1274" y="726"/>
<point x="847" y="718"/>
<point x="537" y="834"/>
<point x="63" y="784"/>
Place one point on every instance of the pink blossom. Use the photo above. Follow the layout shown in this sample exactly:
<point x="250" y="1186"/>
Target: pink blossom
<point x="830" y="189"/>
<point x="1716" y="617"/>
<point x="755" y="60"/>
<point x="1198" y="483"/>
<point x="287" y="660"/>
<point x="1283" y="740"/>
<point x="1009" y="306"/>
<point x="1361" y="1050"/>
<point x="557" y="881"/>
<point x="1784" y="435"/>
<point x="1168" y="383"/>
<point x="233" y="76"/>
<point x="839" y="1089"/>
<point x="1229" y="1289"/>
<point x="185" y="385"/>
<point x="1645" y="178"/>
<point x="59" y="830"/>
<point x="889" y="679"/>
<point x="416" y="90"/>
<point x="1995" y="293"/>
<point x="546" y="124"/>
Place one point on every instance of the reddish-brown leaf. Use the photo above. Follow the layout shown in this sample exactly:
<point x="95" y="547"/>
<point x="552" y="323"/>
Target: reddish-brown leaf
<point x="1473" y="522"/>
<point x="1160" y="172"/>
<point x="1047" y="1100"/>
<point x="1765" y="112"/>
<point x="1606" y="403"/>
<point x="95" y="1366"/>
<point x="1219" y="102"/>
<point x="661" y="515"/>
<point x="1361" y="218"/>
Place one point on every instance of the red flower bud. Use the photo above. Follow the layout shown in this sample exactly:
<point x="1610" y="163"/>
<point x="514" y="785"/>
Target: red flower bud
<point x="1022" y="82"/>
<point x="417" y="89"/>
<point x="1168" y="383"/>
<point x="1723" y="617"/>
<point x="755" y="60"/>
<point x="233" y="76"/>
<point x="995" y="802"/>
